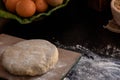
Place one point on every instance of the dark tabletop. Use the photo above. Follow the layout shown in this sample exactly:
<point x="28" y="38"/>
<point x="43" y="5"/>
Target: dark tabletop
<point x="76" y="24"/>
<point x="75" y="27"/>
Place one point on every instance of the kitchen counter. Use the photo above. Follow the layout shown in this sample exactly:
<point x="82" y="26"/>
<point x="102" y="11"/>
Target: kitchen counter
<point x="77" y="29"/>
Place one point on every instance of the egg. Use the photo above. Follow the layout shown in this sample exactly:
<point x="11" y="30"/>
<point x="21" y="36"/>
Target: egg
<point x="10" y="5"/>
<point x="25" y="8"/>
<point x="41" y="5"/>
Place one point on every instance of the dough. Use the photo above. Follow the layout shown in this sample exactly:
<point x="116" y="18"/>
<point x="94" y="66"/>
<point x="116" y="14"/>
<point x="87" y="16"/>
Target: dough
<point x="30" y="57"/>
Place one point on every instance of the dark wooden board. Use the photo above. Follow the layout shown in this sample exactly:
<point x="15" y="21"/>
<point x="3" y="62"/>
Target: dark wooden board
<point x="66" y="60"/>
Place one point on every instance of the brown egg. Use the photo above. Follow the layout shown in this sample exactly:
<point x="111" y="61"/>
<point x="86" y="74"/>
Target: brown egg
<point x="54" y="3"/>
<point x="11" y="5"/>
<point x="41" y="5"/>
<point x="25" y="8"/>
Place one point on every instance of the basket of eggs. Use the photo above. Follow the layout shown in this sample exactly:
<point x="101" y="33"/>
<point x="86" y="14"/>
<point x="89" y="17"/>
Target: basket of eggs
<point x="27" y="11"/>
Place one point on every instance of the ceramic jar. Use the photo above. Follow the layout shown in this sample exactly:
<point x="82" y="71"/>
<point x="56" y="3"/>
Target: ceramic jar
<point x="115" y="9"/>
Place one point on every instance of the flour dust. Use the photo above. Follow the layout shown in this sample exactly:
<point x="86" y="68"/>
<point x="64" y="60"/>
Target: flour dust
<point x="92" y="66"/>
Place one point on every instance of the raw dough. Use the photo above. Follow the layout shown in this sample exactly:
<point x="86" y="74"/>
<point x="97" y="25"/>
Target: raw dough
<point x="30" y="57"/>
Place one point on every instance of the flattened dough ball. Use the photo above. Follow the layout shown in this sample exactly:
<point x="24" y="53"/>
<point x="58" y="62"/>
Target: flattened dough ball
<point x="30" y="57"/>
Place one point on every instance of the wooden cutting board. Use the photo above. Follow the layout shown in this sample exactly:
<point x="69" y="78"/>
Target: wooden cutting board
<point x="66" y="60"/>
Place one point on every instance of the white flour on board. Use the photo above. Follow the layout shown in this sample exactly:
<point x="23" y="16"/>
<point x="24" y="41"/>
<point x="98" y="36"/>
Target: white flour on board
<point x="95" y="69"/>
<point x="93" y="66"/>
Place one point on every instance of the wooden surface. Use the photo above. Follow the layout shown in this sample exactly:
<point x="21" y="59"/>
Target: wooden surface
<point x="66" y="60"/>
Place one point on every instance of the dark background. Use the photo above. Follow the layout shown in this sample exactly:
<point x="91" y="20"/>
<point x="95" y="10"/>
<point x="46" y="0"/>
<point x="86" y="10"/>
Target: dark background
<point x="75" y="24"/>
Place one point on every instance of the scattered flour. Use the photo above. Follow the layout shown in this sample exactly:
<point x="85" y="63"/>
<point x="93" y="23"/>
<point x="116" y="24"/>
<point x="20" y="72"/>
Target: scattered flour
<point x="94" y="67"/>
<point x="107" y="51"/>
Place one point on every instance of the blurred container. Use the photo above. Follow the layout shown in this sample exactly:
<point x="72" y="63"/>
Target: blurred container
<point x="98" y="5"/>
<point x="115" y="11"/>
